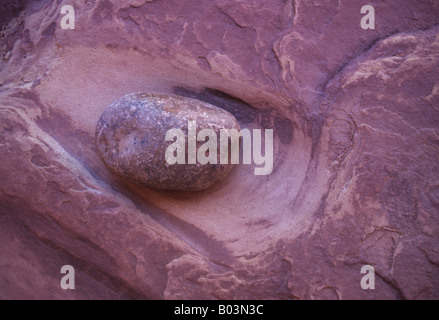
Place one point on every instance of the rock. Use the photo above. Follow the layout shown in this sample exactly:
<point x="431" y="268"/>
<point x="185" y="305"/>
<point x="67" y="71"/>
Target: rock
<point x="355" y="176"/>
<point x="131" y="140"/>
<point x="10" y="9"/>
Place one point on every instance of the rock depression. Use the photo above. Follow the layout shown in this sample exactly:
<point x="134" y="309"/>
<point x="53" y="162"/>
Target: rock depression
<point x="354" y="115"/>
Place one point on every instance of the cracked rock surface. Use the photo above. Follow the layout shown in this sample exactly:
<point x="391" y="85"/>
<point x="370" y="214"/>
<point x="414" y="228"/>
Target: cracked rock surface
<point x="355" y="179"/>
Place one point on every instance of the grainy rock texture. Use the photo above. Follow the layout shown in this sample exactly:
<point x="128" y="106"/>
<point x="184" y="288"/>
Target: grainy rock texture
<point x="355" y="181"/>
<point x="131" y="140"/>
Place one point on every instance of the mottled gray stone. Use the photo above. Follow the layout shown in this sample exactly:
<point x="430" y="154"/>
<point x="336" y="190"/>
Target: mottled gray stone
<point x="130" y="138"/>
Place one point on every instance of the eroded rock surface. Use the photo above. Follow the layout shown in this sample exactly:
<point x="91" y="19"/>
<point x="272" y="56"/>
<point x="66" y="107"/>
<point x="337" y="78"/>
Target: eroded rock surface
<point x="355" y="179"/>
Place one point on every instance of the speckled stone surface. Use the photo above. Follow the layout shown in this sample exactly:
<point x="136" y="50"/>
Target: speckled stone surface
<point x="130" y="138"/>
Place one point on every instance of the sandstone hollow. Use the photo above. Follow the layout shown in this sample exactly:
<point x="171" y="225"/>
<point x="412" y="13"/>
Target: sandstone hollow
<point x="355" y="180"/>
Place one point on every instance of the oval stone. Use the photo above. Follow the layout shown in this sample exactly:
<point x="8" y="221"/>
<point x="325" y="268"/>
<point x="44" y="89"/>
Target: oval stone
<point x="131" y="140"/>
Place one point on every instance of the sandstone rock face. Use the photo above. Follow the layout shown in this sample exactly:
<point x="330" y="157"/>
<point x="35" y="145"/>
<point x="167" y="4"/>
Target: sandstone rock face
<point x="131" y="140"/>
<point x="355" y="177"/>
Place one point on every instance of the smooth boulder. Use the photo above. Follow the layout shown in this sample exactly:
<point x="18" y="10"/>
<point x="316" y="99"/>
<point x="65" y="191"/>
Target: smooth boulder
<point x="130" y="139"/>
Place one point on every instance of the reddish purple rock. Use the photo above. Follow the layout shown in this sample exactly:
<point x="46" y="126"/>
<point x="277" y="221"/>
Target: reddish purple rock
<point x="355" y="178"/>
<point x="131" y="140"/>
